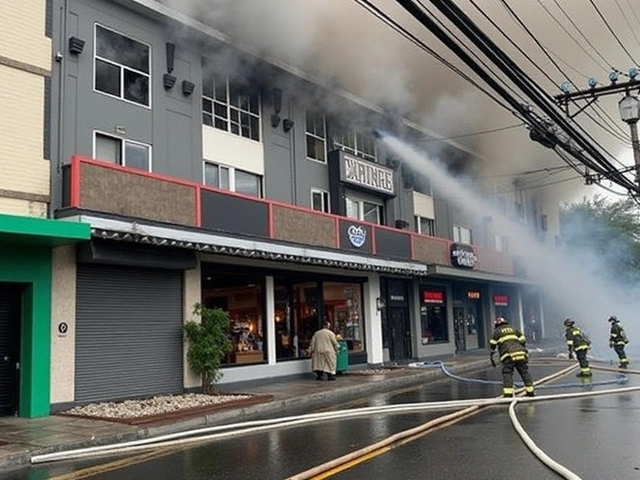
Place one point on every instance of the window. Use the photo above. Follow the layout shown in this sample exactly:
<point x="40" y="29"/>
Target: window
<point x="123" y="152"/>
<point x="365" y="211"/>
<point x="433" y="315"/>
<point x="461" y="234"/>
<point x="501" y="243"/>
<point x="122" y="66"/>
<point x="229" y="107"/>
<point x="361" y="144"/>
<point x="426" y="226"/>
<point x="229" y="178"/>
<point x="320" y="200"/>
<point x="316" y="137"/>
<point x="242" y="297"/>
<point x="343" y="308"/>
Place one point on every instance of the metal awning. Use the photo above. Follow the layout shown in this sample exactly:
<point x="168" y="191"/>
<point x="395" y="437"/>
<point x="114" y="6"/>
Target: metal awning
<point x="443" y="271"/>
<point x="35" y="231"/>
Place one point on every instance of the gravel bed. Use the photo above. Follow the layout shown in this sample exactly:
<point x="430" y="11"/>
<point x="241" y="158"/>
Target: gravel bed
<point x="152" y="406"/>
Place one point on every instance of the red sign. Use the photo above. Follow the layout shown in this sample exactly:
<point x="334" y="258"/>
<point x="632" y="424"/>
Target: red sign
<point x="501" y="300"/>
<point x="432" y="297"/>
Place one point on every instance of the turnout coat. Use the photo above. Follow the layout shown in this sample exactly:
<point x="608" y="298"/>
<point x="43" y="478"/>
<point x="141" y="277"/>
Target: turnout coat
<point x="323" y="349"/>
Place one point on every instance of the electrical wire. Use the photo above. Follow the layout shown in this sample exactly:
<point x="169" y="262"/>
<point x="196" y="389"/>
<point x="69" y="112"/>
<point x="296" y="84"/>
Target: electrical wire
<point x="633" y="12"/>
<point x="612" y="32"/>
<point x="474" y="134"/>
<point x="579" y="30"/>
<point x="624" y="16"/>
<point x="546" y="9"/>
<point x="420" y="44"/>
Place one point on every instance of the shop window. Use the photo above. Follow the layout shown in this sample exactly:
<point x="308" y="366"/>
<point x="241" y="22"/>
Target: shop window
<point x="343" y="308"/>
<point x="242" y="297"/>
<point x="433" y="315"/>
<point x="296" y="317"/>
<point x="228" y="106"/>
<point x="501" y="243"/>
<point x="120" y="151"/>
<point x="316" y="137"/>
<point x="122" y="66"/>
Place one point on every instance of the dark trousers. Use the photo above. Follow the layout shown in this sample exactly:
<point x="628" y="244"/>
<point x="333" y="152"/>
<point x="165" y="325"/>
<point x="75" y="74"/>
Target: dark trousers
<point x="508" y="366"/>
<point x="619" y="349"/>
<point x="581" y="355"/>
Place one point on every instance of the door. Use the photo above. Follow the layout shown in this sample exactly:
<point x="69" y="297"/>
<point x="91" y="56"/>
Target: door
<point x="400" y="334"/>
<point x="459" y="328"/>
<point x="128" y="332"/>
<point x="10" y="314"/>
<point x="471" y="323"/>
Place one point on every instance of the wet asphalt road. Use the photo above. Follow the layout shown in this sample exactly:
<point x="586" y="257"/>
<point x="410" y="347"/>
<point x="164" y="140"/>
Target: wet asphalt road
<point x="596" y="438"/>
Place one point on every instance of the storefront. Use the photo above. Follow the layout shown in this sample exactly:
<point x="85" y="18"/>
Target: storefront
<point x="301" y="302"/>
<point x="434" y="315"/>
<point x="469" y="316"/>
<point x="25" y="309"/>
<point x="396" y="321"/>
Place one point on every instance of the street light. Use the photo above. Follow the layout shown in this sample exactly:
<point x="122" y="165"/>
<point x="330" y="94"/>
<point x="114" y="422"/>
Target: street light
<point x="629" y="108"/>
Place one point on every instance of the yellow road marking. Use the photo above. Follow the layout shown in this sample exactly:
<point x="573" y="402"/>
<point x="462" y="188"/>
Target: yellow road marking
<point x="115" y="465"/>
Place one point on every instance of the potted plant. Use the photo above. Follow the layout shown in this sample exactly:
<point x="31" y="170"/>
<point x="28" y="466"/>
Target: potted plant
<point x="208" y="344"/>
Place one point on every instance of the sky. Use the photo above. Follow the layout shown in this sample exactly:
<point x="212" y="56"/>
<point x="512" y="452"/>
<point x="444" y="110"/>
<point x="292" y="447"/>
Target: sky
<point x="340" y="42"/>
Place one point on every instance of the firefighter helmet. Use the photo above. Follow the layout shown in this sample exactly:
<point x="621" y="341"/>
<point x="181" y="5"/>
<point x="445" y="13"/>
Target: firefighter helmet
<point x="500" y="321"/>
<point x="568" y="322"/>
<point x="613" y="318"/>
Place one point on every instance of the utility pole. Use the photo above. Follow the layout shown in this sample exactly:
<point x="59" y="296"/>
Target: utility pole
<point x="628" y="106"/>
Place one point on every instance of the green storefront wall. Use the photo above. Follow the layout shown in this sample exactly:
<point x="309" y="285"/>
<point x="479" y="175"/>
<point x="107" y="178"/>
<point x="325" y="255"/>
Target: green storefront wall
<point x="26" y="245"/>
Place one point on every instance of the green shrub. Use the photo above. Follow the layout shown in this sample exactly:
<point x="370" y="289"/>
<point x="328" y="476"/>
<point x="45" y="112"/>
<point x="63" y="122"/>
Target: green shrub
<point x="209" y="342"/>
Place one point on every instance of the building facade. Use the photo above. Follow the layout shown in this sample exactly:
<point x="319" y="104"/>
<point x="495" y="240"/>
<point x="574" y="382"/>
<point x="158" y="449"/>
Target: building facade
<point x="27" y="236"/>
<point x="208" y="174"/>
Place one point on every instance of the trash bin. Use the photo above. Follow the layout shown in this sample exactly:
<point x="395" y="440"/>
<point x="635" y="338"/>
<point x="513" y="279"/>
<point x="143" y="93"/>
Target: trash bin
<point x="342" y="360"/>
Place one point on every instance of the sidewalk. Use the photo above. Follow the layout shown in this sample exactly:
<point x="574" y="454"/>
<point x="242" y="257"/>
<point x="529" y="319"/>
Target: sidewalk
<point x="21" y="438"/>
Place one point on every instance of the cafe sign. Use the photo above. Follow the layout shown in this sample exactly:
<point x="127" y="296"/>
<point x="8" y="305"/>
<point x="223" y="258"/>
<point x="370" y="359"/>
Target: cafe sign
<point x="463" y="256"/>
<point x="367" y="175"/>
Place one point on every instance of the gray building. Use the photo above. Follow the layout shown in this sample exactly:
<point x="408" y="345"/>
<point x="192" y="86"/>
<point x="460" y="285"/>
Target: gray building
<point x="209" y="174"/>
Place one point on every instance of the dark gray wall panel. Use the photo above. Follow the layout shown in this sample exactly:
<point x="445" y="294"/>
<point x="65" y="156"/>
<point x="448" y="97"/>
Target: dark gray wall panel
<point x="233" y="214"/>
<point x="392" y="244"/>
<point x="128" y="332"/>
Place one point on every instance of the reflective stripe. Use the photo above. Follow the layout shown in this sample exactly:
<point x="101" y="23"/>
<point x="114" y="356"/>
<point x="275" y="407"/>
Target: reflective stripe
<point x="528" y="388"/>
<point x="585" y="370"/>
<point x="569" y="342"/>
<point x="582" y="347"/>
<point x="507" y="390"/>
<point x="507" y="338"/>
<point x="493" y="342"/>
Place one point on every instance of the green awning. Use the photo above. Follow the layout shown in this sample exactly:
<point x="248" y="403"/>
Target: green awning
<point x="19" y="230"/>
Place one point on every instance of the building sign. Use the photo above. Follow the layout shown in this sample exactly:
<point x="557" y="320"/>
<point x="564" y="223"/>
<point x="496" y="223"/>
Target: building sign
<point x="432" y="297"/>
<point x="368" y="175"/>
<point x="463" y="256"/>
<point x="473" y="295"/>
<point x="357" y="235"/>
<point x="500" y="300"/>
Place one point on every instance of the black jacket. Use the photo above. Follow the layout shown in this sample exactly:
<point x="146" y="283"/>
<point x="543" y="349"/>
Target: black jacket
<point x="510" y="343"/>
<point x="618" y="337"/>
<point x="576" y="340"/>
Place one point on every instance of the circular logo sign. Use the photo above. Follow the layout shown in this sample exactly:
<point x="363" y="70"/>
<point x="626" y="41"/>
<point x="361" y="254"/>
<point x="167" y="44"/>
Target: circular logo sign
<point x="63" y="328"/>
<point x="357" y="235"/>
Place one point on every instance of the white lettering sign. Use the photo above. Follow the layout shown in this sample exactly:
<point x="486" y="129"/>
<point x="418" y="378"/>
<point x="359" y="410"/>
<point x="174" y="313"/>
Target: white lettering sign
<point x="463" y="256"/>
<point x="368" y="174"/>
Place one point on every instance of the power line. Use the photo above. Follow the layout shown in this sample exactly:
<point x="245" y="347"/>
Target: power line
<point x="484" y="132"/>
<point x="633" y="12"/>
<point x="612" y="32"/>
<point x="546" y="9"/>
<point x="624" y="16"/>
<point x="584" y="37"/>
<point x="420" y="44"/>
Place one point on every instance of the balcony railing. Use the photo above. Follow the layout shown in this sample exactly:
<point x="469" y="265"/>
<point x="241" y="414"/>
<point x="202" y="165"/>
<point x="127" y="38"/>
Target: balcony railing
<point x="103" y="187"/>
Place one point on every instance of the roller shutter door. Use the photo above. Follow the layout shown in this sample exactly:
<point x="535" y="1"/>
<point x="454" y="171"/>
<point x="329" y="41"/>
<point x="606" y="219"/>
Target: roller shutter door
<point x="128" y="332"/>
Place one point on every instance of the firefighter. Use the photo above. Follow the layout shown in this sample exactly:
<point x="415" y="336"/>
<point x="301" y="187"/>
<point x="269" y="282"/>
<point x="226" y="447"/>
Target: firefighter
<point x="617" y="340"/>
<point x="511" y="345"/>
<point x="579" y="343"/>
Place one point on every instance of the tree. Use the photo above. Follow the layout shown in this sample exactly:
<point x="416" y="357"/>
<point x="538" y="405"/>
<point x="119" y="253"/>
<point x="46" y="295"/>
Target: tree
<point x="209" y="342"/>
<point x="609" y="229"/>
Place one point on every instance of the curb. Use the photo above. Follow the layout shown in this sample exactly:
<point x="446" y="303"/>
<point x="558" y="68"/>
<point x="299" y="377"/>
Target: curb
<point x="23" y="459"/>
